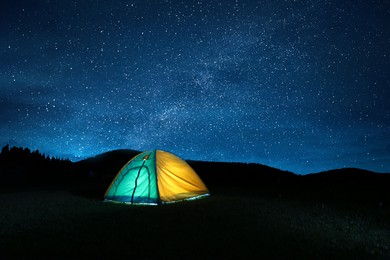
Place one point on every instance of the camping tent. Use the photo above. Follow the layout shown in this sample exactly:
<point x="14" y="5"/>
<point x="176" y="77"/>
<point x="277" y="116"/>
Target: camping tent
<point x="155" y="177"/>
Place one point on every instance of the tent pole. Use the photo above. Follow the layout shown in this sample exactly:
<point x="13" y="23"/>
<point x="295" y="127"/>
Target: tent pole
<point x="155" y="171"/>
<point x="136" y="179"/>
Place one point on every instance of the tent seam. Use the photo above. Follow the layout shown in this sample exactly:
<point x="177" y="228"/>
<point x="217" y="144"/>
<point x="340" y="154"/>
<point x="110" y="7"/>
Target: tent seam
<point x="155" y="171"/>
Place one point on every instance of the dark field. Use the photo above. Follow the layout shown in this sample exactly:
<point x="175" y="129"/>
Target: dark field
<point x="74" y="223"/>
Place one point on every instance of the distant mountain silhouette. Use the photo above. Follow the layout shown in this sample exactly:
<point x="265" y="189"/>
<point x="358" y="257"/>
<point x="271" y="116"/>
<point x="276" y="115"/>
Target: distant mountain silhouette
<point x="347" y="175"/>
<point x="108" y="164"/>
<point x="251" y="174"/>
<point x="348" y="185"/>
<point x="22" y="166"/>
<point x="105" y="165"/>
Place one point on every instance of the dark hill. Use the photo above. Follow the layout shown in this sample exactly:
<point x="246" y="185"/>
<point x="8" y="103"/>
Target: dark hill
<point x="21" y="166"/>
<point x="105" y="165"/>
<point x="239" y="174"/>
<point x="356" y="186"/>
<point x="341" y="185"/>
<point x="347" y="175"/>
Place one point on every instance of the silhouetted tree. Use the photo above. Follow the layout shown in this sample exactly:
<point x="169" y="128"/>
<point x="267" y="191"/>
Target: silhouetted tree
<point x="5" y="150"/>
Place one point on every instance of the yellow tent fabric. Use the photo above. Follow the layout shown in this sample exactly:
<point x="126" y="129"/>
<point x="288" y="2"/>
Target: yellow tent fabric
<point x="155" y="177"/>
<point x="176" y="179"/>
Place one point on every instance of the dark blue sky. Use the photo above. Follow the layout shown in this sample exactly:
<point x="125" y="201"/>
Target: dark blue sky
<point x="302" y="86"/>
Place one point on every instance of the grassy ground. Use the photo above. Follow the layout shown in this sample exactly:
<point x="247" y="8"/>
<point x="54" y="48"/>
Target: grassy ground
<point x="74" y="223"/>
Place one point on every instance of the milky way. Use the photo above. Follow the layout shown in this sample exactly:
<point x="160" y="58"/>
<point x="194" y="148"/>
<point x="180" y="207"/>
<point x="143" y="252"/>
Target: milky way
<point x="302" y="86"/>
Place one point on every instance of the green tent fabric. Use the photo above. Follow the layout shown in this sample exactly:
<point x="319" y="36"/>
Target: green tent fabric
<point x="155" y="177"/>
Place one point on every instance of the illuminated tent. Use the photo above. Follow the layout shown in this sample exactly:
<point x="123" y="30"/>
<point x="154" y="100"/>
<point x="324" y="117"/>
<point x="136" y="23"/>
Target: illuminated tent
<point x="155" y="177"/>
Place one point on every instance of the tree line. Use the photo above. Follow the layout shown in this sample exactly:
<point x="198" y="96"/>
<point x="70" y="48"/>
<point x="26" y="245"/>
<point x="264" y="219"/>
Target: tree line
<point x="25" y="154"/>
<point x="21" y="165"/>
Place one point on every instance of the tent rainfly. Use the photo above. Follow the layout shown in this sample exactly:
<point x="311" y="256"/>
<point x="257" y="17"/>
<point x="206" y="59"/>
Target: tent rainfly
<point x="155" y="177"/>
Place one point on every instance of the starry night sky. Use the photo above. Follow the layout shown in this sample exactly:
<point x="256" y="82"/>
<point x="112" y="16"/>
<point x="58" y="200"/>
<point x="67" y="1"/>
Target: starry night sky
<point x="302" y="86"/>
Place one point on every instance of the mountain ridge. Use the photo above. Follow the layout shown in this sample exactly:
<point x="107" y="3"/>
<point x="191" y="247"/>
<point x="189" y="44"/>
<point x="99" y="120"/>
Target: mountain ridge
<point x="20" y="169"/>
<point x="106" y="165"/>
